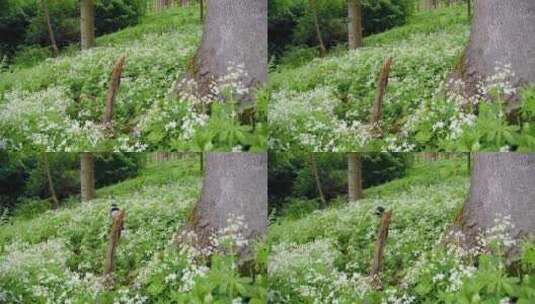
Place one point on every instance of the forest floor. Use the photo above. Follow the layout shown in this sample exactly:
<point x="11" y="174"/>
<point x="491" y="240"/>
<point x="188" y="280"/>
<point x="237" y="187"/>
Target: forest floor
<point x="58" y="256"/>
<point x="58" y="104"/>
<point x="325" y="256"/>
<point x="325" y="104"/>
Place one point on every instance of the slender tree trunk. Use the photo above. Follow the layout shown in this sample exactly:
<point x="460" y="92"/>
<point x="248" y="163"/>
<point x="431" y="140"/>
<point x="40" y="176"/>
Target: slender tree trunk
<point x="87" y="176"/>
<point x="314" y="168"/>
<point x="201" y="161"/>
<point x="51" y="189"/>
<point x="354" y="176"/>
<point x="201" y="9"/>
<point x="234" y="33"/>
<point x="502" y="185"/>
<point x="502" y="33"/>
<point x="50" y="30"/>
<point x="314" y="10"/>
<point x="355" y="24"/>
<point x="234" y="187"/>
<point x="469" y="7"/>
<point x="87" y="24"/>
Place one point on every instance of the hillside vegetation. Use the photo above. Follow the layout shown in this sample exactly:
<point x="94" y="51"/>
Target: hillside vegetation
<point x="325" y="104"/>
<point x="325" y="256"/>
<point x="58" y="256"/>
<point x="57" y="105"/>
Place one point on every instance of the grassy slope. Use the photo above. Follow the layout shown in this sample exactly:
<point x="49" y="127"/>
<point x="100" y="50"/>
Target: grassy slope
<point x="424" y="203"/>
<point x="55" y="104"/>
<point x="314" y="105"/>
<point x="156" y="203"/>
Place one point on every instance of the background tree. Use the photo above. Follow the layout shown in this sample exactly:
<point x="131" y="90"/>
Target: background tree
<point x="234" y="185"/>
<point x="354" y="24"/>
<point x="87" y="176"/>
<point x="502" y="185"/>
<point x="46" y="167"/>
<point x="49" y="27"/>
<point x="87" y="24"/>
<point x="354" y="176"/>
<point x="314" y="11"/>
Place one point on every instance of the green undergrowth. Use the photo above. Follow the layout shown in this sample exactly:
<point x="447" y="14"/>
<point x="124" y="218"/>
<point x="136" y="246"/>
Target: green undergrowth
<point x="325" y="256"/>
<point x="325" y="104"/>
<point x="58" y="104"/>
<point x="57" y="256"/>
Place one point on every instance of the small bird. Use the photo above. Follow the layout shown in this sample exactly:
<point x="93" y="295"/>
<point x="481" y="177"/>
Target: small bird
<point x="114" y="210"/>
<point x="379" y="211"/>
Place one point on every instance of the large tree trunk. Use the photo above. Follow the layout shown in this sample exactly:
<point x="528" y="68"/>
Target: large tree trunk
<point x="502" y="33"/>
<point x="87" y="24"/>
<point x="355" y="24"/>
<point x="87" y="176"/>
<point x="50" y="30"/>
<point x="502" y="185"/>
<point x="314" y="10"/>
<point x="354" y="176"/>
<point x="235" y="33"/>
<point x="235" y="185"/>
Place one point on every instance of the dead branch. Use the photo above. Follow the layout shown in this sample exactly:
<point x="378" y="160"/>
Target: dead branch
<point x="113" y="239"/>
<point x="113" y="88"/>
<point x="377" y="111"/>
<point x="378" y="258"/>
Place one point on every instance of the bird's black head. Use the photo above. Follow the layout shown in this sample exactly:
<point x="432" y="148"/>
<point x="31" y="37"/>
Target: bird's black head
<point x="379" y="211"/>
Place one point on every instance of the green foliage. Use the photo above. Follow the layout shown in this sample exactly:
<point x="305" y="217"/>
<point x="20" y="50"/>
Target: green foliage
<point x="325" y="256"/>
<point x="291" y="23"/>
<point x="22" y="177"/>
<point x="325" y="105"/>
<point x="290" y="176"/>
<point x="22" y="22"/>
<point x="57" y="105"/>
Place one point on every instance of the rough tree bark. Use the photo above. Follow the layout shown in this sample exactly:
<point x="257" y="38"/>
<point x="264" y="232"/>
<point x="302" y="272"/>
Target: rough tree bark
<point x="235" y="184"/>
<point x="234" y="33"/>
<point x="502" y="33"/>
<point x="355" y="24"/>
<point x="502" y="184"/>
<point x="87" y="176"/>
<point x="50" y="30"/>
<point x="314" y="11"/>
<point x="87" y="24"/>
<point x="354" y="176"/>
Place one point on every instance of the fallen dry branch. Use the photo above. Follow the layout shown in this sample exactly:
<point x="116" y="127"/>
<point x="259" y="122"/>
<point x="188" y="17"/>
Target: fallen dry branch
<point x="377" y="111"/>
<point x="378" y="258"/>
<point x="113" y="89"/>
<point x="113" y="239"/>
